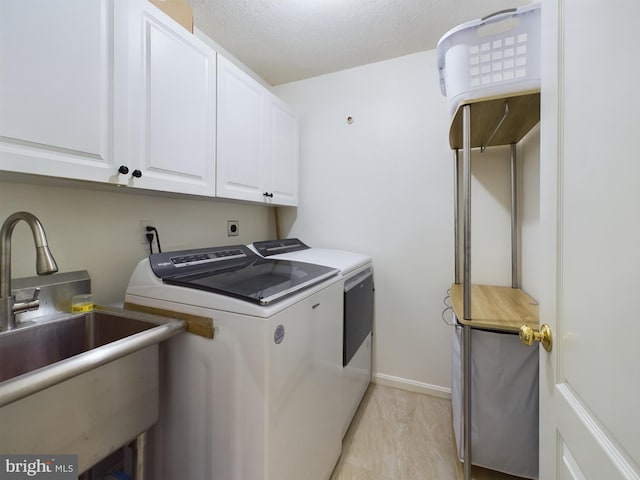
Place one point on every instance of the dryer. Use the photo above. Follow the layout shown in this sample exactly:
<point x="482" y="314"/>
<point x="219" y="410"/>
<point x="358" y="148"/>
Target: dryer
<point x="356" y="271"/>
<point x="260" y="400"/>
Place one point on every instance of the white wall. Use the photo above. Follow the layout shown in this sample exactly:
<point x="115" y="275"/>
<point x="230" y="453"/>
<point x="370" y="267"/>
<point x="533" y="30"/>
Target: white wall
<point x="383" y="185"/>
<point x="491" y="214"/>
<point x="531" y="249"/>
<point x="99" y="231"/>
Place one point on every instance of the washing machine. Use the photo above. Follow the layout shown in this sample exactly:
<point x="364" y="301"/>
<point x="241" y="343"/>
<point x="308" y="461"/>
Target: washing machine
<point x="356" y="272"/>
<point x="259" y="400"/>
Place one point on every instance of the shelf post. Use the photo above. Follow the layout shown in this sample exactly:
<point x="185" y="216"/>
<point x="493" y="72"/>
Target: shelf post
<point x="466" y="188"/>
<point x="466" y="397"/>
<point x="456" y="230"/>
<point x="515" y="280"/>
<point x="466" y="191"/>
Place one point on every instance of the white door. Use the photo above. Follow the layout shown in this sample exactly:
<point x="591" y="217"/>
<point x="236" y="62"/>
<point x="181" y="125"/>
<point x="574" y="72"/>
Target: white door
<point x="590" y="199"/>
<point x="172" y="104"/>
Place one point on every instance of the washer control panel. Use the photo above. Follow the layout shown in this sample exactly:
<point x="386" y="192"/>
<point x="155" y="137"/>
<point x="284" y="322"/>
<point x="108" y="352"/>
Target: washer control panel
<point x="200" y="258"/>
<point x="274" y="247"/>
<point x="187" y="261"/>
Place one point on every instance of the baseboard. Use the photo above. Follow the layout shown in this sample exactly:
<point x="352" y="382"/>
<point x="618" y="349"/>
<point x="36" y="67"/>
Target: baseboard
<point x="411" y="385"/>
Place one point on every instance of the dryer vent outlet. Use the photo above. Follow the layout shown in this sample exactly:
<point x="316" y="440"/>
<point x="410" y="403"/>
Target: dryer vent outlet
<point x="233" y="228"/>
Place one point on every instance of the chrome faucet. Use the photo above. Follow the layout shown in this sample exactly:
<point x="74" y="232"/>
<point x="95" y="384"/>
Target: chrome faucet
<point x="45" y="264"/>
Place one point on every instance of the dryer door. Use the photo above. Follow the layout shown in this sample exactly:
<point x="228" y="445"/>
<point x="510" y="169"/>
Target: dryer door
<point x="358" y="314"/>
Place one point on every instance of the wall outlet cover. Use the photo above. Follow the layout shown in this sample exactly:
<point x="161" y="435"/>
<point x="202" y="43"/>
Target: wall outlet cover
<point x="233" y="228"/>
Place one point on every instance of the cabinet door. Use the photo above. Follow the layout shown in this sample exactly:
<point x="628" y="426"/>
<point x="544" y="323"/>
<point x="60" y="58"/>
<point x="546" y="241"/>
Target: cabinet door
<point x="172" y="104"/>
<point x="257" y="141"/>
<point x="283" y="154"/>
<point x="241" y="130"/>
<point x="57" y="91"/>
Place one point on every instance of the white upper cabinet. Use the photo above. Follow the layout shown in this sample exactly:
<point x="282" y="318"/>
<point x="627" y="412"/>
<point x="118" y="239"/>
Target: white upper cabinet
<point x="283" y="153"/>
<point x="115" y="91"/>
<point x="241" y="112"/>
<point x="106" y="90"/>
<point x="172" y="104"/>
<point x="257" y="142"/>
<point x="60" y="104"/>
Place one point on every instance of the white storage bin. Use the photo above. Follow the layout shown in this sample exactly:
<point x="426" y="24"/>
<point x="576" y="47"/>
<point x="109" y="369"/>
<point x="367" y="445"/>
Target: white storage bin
<point x="496" y="55"/>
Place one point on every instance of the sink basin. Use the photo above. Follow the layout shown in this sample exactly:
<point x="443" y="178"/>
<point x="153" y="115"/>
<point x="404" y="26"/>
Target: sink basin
<point x="27" y="349"/>
<point x="82" y="384"/>
<point x="47" y="352"/>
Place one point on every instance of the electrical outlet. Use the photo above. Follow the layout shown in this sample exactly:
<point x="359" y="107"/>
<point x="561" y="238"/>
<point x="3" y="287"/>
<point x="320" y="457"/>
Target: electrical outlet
<point x="233" y="228"/>
<point x="143" y="229"/>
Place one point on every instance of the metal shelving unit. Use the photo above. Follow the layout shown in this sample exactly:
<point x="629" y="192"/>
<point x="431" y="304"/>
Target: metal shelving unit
<point x="481" y="123"/>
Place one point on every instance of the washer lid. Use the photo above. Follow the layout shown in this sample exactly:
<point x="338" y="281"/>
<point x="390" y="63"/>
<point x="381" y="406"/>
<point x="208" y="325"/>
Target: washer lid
<point x="294" y="249"/>
<point x="237" y="272"/>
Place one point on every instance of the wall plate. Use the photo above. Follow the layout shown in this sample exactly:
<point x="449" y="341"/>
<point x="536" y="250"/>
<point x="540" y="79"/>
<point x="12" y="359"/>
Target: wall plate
<point x="233" y="228"/>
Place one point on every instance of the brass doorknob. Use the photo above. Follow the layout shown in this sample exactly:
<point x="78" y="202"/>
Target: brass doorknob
<point x="528" y="335"/>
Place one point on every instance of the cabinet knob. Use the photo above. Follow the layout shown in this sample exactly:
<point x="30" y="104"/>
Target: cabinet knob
<point x="123" y="169"/>
<point x="136" y="173"/>
<point x="267" y="194"/>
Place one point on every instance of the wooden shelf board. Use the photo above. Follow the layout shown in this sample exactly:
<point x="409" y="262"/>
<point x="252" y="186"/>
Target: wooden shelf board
<point x="496" y="308"/>
<point x="524" y="114"/>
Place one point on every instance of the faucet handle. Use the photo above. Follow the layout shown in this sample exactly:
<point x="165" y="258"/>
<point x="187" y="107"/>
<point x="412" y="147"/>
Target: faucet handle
<point x="28" y="303"/>
<point x="34" y="297"/>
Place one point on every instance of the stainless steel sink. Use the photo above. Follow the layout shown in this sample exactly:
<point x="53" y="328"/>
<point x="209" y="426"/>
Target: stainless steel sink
<point x="29" y="348"/>
<point x="50" y="351"/>
<point x="82" y="384"/>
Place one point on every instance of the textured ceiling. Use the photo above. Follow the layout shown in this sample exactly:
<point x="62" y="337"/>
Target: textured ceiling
<point x="288" y="40"/>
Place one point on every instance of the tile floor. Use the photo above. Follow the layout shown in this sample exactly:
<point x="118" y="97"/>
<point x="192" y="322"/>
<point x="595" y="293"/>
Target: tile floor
<point x="400" y="435"/>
